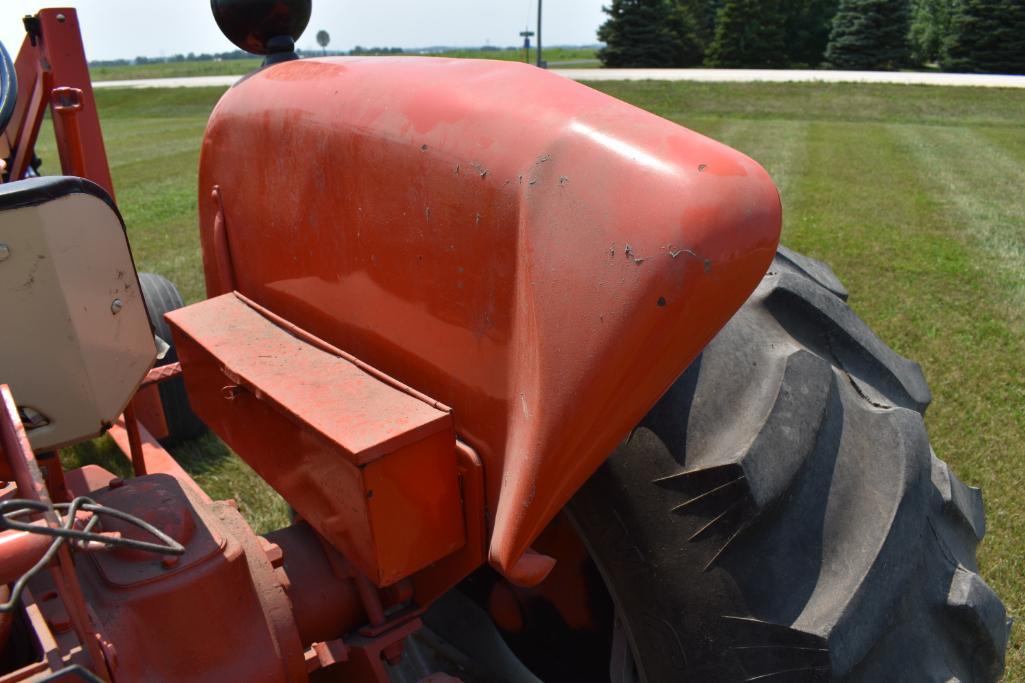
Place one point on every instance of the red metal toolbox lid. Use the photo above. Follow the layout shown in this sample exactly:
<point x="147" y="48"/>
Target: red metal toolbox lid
<point x="357" y="412"/>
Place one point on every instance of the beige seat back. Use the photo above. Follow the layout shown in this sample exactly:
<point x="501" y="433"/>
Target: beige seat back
<point x="75" y="340"/>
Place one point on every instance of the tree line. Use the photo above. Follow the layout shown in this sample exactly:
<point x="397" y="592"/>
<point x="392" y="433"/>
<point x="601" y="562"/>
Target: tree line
<point x="982" y="36"/>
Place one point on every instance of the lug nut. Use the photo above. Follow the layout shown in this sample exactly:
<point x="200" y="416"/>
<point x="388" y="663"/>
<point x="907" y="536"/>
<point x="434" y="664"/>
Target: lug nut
<point x="116" y="305"/>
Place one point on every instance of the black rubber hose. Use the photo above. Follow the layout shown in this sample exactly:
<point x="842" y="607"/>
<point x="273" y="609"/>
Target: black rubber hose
<point x="8" y="88"/>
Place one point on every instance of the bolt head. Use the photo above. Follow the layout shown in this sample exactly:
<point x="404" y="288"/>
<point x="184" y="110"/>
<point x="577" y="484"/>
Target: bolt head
<point x="5" y="251"/>
<point x="61" y="18"/>
<point x="116" y="305"/>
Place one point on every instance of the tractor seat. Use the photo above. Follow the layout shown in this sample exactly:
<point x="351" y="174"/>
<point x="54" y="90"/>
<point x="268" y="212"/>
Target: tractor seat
<point x="76" y="339"/>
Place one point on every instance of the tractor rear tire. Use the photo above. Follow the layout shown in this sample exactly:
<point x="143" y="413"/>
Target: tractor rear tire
<point x="162" y="297"/>
<point x="779" y="515"/>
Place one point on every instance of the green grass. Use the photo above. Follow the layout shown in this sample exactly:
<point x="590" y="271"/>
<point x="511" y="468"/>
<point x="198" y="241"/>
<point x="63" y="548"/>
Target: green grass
<point x="913" y="194"/>
<point x="228" y="67"/>
<point x="232" y="67"/>
<point x="221" y="473"/>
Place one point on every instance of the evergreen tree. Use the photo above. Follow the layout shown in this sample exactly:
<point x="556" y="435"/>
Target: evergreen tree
<point x="986" y="36"/>
<point x="869" y="35"/>
<point x="930" y="25"/>
<point x="749" y="33"/>
<point x="808" y="23"/>
<point x="704" y="13"/>
<point x="649" y="33"/>
<point x="690" y="45"/>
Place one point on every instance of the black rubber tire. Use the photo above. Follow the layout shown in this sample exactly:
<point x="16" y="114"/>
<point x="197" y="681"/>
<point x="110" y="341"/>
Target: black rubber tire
<point x="8" y="88"/>
<point x="161" y="296"/>
<point x="779" y="515"/>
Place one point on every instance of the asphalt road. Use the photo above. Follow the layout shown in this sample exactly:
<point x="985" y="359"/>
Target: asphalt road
<point x="699" y="75"/>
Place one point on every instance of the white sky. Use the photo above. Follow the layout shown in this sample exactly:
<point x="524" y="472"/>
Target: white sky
<point x="126" y="28"/>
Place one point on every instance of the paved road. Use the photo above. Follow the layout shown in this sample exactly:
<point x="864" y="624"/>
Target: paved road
<point x="700" y="75"/>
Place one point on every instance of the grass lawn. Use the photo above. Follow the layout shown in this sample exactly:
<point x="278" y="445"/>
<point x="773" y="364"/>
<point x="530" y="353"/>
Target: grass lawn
<point x="228" y="67"/>
<point x="580" y="58"/>
<point x="914" y="194"/>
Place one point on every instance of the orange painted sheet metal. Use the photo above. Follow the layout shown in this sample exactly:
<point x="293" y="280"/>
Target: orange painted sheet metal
<point x="371" y="467"/>
<point x="538" y="255"/>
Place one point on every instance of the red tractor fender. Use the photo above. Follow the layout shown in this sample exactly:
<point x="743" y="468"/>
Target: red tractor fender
<point x="541" y="257"/>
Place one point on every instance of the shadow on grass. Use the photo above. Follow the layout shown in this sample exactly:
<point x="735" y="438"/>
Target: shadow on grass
<point x="198" y="457"/>
<point x="202" y="456"/>
<point x="102" y="451"/>
<point x="219" y="471"/>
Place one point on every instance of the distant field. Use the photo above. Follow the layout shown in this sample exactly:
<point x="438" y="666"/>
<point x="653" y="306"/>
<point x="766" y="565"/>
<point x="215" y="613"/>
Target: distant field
<point x="913" y="194"/>
<point x="580" y="58"/>
<point x="228" y="67"/>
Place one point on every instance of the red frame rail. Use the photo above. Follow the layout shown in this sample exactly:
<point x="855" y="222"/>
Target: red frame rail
<point x="52" y="71"/>
<point x="24" y="468"/>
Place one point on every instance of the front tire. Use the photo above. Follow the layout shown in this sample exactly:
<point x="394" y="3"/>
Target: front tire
<point x="161" y="296"/>
<point x="779" y="515"/>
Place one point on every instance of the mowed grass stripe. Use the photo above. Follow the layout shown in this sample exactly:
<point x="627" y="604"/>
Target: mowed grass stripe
<point x="928" y="291"/>
<point x="983" y="186"/>
<point x="781" y="147"/>
<point x="1010" y="141"/>
<point x="975" y="359"/>
<point x="841" y="102"/>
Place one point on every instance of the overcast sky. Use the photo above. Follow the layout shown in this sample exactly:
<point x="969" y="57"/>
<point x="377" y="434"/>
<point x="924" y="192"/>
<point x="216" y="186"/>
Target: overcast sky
<point x="127" y="28"/>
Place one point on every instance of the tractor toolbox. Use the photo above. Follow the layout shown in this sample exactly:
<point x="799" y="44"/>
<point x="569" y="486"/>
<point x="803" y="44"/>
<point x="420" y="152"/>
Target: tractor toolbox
<point x="370" y="464"/>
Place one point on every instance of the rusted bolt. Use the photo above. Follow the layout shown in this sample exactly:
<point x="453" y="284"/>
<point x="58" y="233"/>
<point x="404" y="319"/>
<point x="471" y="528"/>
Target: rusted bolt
<point x="5" y="252"/>
<point x="116" y="305"/>
<point x="230" y="392"/>
<point x="116" y="482"/>
<point x="169" y="561"/>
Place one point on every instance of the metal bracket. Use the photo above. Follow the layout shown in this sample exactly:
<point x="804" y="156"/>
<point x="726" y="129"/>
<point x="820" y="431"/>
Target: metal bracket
<point x="33" y="27"/>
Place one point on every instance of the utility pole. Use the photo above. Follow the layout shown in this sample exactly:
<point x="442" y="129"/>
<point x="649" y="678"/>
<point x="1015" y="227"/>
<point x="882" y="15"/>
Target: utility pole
<point x="540" y="62"/>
